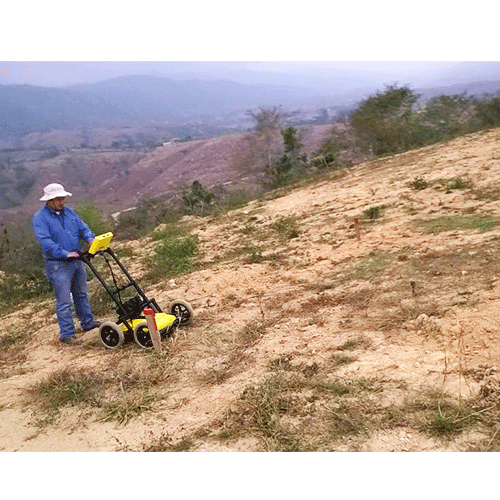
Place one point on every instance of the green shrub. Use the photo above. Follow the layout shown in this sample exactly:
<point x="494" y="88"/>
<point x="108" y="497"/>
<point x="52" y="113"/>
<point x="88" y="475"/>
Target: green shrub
<point x="446" y="117"/>
<point x="458" y="183"/>
<point x="290" y="165"/>
<point x="382" y="121"/>
<point x="22" y="274"/>
<point x="149" y="213"/>
<point x="168" y="232"/>
<point x="488" y="112"/>
<point x="94" y="219"/>
<point x="327" y="155"/>
<point x="389" y="122"/>
<point x="175" y="256"/>
<point x="287" y="228"/>
<point x="372" y="212"/>
<point x="419" y="183"/>
<point x="198" y="199"/>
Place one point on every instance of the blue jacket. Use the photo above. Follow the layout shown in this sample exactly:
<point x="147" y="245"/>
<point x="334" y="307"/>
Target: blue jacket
<point x="60" y="234"/>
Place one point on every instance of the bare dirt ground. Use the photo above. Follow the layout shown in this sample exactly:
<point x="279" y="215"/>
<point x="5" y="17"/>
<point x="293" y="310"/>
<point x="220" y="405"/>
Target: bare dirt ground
<point x="375" y="343"/>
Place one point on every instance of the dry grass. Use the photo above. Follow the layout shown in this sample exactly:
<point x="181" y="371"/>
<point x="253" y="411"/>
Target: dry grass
<point x="13" y="351"/>
<point x="124" y="390"/>
<point x="307" y="339"/>
<point x="296" y="408"/>
<point x="293" y="411"/>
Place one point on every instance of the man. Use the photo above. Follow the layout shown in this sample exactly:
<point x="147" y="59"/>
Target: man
<point x="59" y="230"/>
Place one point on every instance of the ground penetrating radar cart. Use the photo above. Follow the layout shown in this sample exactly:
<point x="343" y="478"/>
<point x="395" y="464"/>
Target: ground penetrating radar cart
<point x="132" y="323"/>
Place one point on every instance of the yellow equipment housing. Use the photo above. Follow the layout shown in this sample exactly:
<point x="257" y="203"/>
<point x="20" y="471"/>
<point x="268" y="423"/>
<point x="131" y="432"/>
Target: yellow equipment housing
<point x="100" y="243"/>
<point x="163" y="320"/>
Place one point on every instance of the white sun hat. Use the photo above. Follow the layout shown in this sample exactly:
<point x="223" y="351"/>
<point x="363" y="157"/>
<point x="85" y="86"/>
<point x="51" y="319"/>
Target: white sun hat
<point x="54" y="191"/>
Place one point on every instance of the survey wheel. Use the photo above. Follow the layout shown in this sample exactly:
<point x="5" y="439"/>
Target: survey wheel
<point x="182" y="310"/>
<point x="142" y="335"/>
<point x="111" y="335"/>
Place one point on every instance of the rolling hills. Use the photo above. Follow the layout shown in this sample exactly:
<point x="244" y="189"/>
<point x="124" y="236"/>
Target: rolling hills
<point x="116" y="180"/>
<point x="137" y="100"/>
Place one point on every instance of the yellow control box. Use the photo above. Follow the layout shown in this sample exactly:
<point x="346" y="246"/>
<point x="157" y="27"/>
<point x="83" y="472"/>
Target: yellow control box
<point x="100" y="243"/>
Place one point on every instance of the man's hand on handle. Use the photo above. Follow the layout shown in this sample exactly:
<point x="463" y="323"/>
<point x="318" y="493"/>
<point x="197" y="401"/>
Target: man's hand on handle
<point x="76" y="255"/>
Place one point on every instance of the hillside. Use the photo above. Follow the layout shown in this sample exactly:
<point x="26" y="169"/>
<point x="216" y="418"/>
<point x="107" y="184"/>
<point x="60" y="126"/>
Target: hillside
<point x="306" y="338"/>
<point x="117" y="180"/>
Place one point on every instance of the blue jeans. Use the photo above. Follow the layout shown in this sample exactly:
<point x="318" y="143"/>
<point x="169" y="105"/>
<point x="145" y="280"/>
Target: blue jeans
<point x="69" y="279"/>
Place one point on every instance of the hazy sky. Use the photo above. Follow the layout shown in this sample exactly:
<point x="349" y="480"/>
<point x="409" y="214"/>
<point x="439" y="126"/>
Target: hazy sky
<point x="224" y="31"/>
<point x="59" y="73"/>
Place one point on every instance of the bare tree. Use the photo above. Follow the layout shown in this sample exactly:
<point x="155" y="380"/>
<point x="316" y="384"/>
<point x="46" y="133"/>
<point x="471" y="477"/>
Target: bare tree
<point x="268" y="122"/>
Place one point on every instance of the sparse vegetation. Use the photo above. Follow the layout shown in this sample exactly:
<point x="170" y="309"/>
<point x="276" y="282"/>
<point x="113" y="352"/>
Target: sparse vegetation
<point x="169" y="231"/>
<point x="342" y="359"/>
<point x="13" y="351"/>
<point x="198" y="199"/>
<point x="419" y="183"/>
<point x="291" y="164"/>
<point x="290" y="411"/>
<point x="22" y="275"/>
<point x="373" y="264"/>
<point x="126" y="406"/>
<point x="16" y="182"/>
<point x="448" y="421"/>
<point x="174" y="256"/>
<point x="66" y="388"/>
<point x="454" y="183"/>
<point x="94" y="218"/>
<point x="358" y="342"/>
<point x="287" y="228"/>
<point x="119" y="394"/>
<point x="459" y="223"/>
<point x="300" y="344"/>
<point x="372" y="213"/>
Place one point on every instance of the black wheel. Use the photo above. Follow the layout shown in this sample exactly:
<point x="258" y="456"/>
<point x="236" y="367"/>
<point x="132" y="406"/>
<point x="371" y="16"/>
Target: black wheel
<point x="111" y="335"/>
<point x="182" y="310"/>
<point x="142" y="336"/>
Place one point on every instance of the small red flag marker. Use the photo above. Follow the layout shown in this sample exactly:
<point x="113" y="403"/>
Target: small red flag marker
<point x="357" y="228"/>
<point x="153" y="329"/>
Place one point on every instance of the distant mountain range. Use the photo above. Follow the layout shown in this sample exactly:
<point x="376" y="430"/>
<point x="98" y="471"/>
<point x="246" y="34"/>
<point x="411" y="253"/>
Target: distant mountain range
<point x="163" y="101"/>
<point x="134" y="99"/>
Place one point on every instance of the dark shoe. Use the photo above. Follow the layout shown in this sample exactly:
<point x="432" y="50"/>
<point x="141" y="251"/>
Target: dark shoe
<point x="96" y="324"/>
<point x="70" y="340"/>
